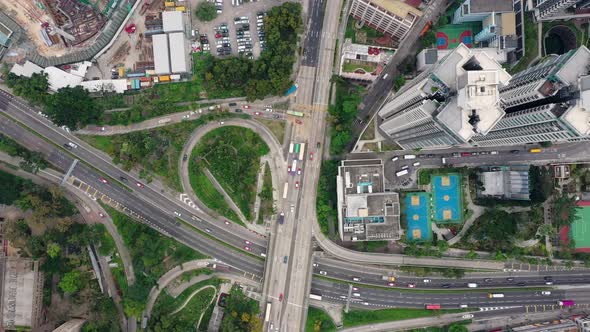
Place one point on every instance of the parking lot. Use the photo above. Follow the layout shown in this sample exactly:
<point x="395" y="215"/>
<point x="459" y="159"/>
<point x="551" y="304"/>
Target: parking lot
<point x="224" y="26"/>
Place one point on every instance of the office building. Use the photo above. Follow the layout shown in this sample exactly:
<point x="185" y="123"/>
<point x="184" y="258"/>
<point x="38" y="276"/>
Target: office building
<point x="448" y="104"/>
<point x="547" y="102"/>
<point x="392" y="17"/>
<point x="468" y="99"/>
<point x="366" y="212"/>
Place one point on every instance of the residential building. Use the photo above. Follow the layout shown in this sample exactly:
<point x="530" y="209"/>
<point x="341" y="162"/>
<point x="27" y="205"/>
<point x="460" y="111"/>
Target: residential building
<point x="468" y="99"/>
<point x="450" y="103"/>
<point x="547" y="102"/>
<point x="363" y="62"/>
<point x="478" y="10"/>
<point x="544" y="9"/>
<point x="498" y="31"/>
<point x="430" y="56"/>
<point x="366" y="212"/>
<point x="583" y="323"/>
<point x="392" y="17"/>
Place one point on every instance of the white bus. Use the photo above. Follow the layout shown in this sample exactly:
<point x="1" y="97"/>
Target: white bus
<point x="294" y="167"/>
<point x="402" y="172"/>
<point x="285" y="190"/>
<point x="315" y="297"/>
<point x="267" y="312"/>
<point x="410" y="156"/>
<point x="291" y="148"/>
<point x="302" y="151"/>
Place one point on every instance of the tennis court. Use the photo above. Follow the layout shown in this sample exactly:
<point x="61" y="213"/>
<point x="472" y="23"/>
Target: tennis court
<point x="446" y="192"/>
<point x="580" y="228"/>
<point x="451" y="35"/>
<point x="418" y="216"/>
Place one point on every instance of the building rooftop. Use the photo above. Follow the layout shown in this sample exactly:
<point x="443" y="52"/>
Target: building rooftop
<point x="365" y="211"/>
<point x="178" y="52"/>
<point x="118" y="85"/>
<point x="506" y="182"/>
<point x="172" y="21"/>
<point x="487" y="6"/>
<point x="397" y="7"/>
<point x="161" y="58"/>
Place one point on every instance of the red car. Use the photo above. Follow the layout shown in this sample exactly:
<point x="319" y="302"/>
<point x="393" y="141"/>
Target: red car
<point x="217" y="35"/>
<point x="281" y="297"/>
<point x="298" y="122"/>
<point x="288" y="169"/>
<point x="139" y="184"/>
<point x="247" y="248"/>
<point x="246" y="107"/>
<point x="100" y="214"/>
<point x="296" y="184"/>
<point x="103" y="180"/>
<point x="465" y="154"/>
<point x="311" y="156"/>
<point x="411" y="285"/>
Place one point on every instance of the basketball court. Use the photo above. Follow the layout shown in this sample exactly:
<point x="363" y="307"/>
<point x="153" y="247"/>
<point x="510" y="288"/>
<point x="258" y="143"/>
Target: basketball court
<point x="418" y="217"/>
<point x="580" y="228"/>
<point x="451" y="35"/>
<point x="446" y="192"/>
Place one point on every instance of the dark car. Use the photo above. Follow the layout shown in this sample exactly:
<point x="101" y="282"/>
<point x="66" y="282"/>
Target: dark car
<point x="238" y="110"/>
<point x="522" y="283"/>
<point x="446" y="286"/>
<point x="232" y="104"/>
<point x="185" y="157"/>
<point x="124" y="179"/>
<point x="317" y="145"/>
<point x="430" y="155"/>
<point x="515" y="151"/>
<point x="67" y="147"/>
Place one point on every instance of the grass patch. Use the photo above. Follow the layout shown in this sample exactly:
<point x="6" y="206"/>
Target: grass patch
<point x="530" y="44"/>
<point x="276" y="127"/>
<point x="184" y="320"/>
<point x="369" y="133"/>
<point x="179" y="91"/>
<point x="389" y="146"/>
<point x="154" y="151"/>
<point x="207" y="193"/>
<point x="232" y="154"/>
<point x="319" y="321"/>
<point x="350" y="67"/>
<point x="579" y="34"/>
<point x="342" y="113"/>
<point x="266" y="200"/>
<point x="363" y="317"/>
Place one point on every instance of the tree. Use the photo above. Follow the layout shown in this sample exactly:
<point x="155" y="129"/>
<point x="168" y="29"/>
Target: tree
<point x="72" y="107"/>
<point x="546" y="230"/>
<point x="53" y="249"/>
<point x="206" y="11"/>
<point x="33" y="89"/>
<point x="428" y="39"/>
<point x="70" y="282"/>
<point x="456" y="327"/>
<point x="399" y="82"/>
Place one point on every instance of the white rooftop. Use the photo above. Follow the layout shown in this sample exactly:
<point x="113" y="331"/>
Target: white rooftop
<point x="118" y="86"/>
<point x="178" y="53"/>
<point x="27" y="69"/>
<point x="493" y="183"/>
<point x="578" y="115"/>
<point x="172" y="21"/>
<point x="161" y="59"/>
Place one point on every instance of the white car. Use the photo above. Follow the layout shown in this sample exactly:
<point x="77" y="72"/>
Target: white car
<point x="73" y="145"/>
<point x="324" y="273"/>
<point x="395" y="159"/>
<point x="467" y="316"/>
<point x="177" y="214"/>
<point x="268" y="109"/>
<point x="546" y="293"/>
<point x="426" y="281"/>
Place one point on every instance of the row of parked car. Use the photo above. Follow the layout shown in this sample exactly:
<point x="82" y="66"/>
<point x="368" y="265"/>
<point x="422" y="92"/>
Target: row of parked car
<point x="222" y="40"/>
<point x="260" y="28"/>
<point x="244" y="39"/>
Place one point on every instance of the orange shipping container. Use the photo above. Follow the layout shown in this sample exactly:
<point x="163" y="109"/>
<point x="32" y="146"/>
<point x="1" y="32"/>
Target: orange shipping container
<point x="164" y="78"/>
<point x="169" y="4"/>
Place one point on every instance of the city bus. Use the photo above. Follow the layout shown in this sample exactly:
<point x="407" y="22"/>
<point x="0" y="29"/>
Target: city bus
<point x="495" y="295"/>
<point x="315" y="297"/>
<point x="535" y="150"/>
<point x="267" y="312"/>
<point x="285" y="190"/>
<point x="291" y="148"/>
<point x="432" y="306"/>
<point x="402" y="172"/>
<point x="302" y="151"/>
<point x="297" y="149"/>
<point x="294" y="167"/>
<point x="295" y="113"/>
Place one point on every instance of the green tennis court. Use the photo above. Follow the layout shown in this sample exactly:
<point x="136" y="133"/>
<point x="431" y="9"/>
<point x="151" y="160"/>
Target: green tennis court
<point x="580" y="228"/>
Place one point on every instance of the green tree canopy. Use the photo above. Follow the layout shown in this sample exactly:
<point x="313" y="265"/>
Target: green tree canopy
<point x="70" y="282"/>
<point x="206" y="11"/>
<point x="53" y="249"/>
<point x="72" y="107"/>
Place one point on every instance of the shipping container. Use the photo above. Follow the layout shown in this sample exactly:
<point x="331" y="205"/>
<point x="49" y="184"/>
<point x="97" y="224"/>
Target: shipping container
<point x="169" y="4"/>
<point x="145" y="79"/>
<point x="180" y="9"/>
<point x="146" y="84"/>
<point x="156" y="79"/>
<point x="164" y="78"/>
<point x="175" y="77"/>
<point x="121" y="72"/>
<point x="138" y="74"/>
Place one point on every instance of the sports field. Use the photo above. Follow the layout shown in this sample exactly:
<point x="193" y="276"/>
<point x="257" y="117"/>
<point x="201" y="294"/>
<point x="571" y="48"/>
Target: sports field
<point x="446" y="193"/>
<point x="418" y="216"/>
<point x="451" y="35"/>
<point x="580" y="228"/>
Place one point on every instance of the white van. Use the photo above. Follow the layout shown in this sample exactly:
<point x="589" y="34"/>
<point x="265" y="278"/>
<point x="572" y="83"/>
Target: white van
<point x="410" y="156"/>
<point x="394" y="159"/>
<point x="385" y="76"/>
<point x="416" y="164"/>
<point x="356" y="294"/>
<point x="472" y="285"/>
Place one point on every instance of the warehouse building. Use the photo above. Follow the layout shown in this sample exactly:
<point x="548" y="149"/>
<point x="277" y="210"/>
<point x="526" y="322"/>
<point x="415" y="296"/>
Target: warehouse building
<point x="170" y="48"/>
<point x="161" y="58"/>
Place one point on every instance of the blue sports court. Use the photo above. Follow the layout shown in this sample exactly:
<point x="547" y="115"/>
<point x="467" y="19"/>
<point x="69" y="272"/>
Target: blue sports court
<point x="418" y="216"/>
<point x="446" y="193"/>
